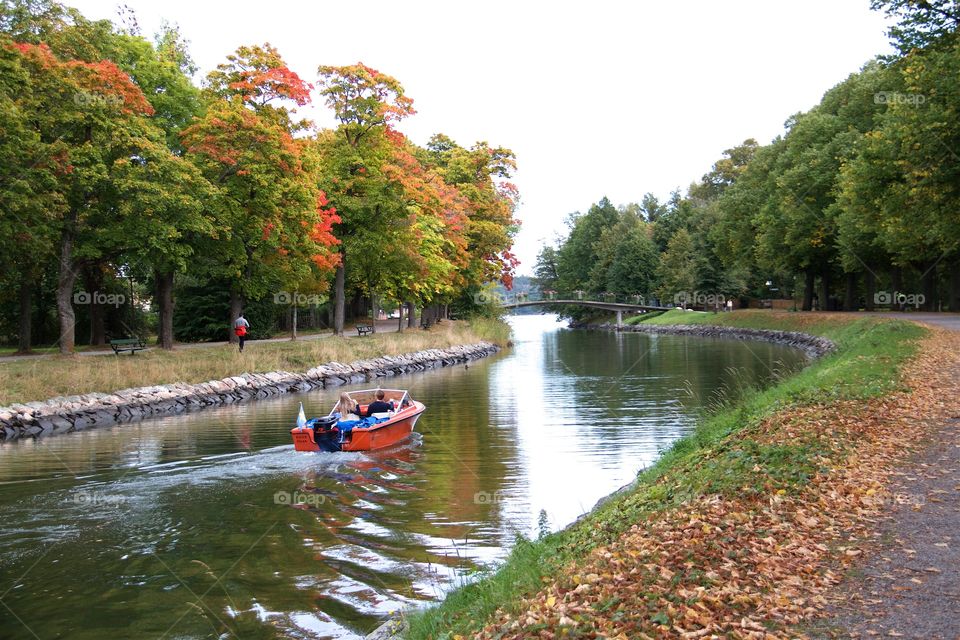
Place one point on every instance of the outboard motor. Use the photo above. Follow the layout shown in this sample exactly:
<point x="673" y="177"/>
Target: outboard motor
<point x="323" y="424"/>
<point x="323" y="433"/>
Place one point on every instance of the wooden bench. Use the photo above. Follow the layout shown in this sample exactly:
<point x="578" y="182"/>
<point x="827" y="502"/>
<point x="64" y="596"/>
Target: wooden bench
<point x="364" y="329"/>
<point x="128" y="344"/>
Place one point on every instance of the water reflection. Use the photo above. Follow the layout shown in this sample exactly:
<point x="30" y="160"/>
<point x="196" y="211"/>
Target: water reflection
<point x="196" y="525"/>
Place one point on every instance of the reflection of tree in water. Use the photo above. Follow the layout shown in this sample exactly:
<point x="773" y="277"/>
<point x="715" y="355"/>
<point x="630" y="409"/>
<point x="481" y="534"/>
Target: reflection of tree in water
<point x="613" y="376"/>
<point x="371" y="530"/>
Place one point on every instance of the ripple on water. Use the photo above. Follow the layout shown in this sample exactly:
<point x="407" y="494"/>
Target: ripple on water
<point x="323" y="545"/>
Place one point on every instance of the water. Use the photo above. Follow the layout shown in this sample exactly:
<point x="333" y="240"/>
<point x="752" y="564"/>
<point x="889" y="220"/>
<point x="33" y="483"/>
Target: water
<point x="199" y="525"/>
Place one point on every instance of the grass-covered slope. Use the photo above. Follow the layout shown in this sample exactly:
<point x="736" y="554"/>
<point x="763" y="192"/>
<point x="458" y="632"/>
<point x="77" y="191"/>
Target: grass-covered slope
<point x="728" y="455"/>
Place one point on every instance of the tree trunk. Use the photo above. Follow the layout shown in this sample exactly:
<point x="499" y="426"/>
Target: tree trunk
<point x="293" y="325"/>
<point x="953" y="297"/>
<point x="26" y="311"/>
<point x="359" y="306"/>
<point x="94" y="283"/>
<point x="928" y="284"/>
<point x="165" y="305"/>
<point x="870" y="284"/>
<point x="896" y="281"/>
<point x="400" y="321"/>
<point x="236" y="308"/>
<point x="850" y="293"/>
<point x="808" y="281"/>
<point x="339" y="298"/>
<point x="411" y="315"/>
<point x="374" y="311"/>
<point x="825" y="290"/>
<point x="65" y="280"/>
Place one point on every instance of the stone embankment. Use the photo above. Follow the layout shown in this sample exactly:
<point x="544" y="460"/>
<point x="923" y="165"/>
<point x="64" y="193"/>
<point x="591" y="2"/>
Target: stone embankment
<point x="72" y="413"/>
<point x="813" y="346"/>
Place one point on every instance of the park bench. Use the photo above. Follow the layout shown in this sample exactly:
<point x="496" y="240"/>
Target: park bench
<point x="364" y="329"/>
<point x="128" y="344"/>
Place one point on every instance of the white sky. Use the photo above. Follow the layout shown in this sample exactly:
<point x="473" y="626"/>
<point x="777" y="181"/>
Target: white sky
<point x="595" y="98"/>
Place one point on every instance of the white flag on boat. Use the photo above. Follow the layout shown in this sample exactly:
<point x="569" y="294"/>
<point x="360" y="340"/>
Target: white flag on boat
<point x="301" y="417"/>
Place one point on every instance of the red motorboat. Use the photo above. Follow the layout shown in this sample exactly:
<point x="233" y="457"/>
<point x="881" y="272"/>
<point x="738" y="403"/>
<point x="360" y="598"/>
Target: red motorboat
<point x="334" y="433"/>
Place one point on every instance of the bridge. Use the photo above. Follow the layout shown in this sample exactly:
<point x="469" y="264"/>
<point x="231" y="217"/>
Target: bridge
<point x="607" y="302"/>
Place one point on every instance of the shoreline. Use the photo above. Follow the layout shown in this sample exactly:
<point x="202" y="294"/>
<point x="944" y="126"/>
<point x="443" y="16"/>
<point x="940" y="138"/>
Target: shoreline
<point x="73" y="413"/>
<point x="814" y="347"/>
<point x="768" y="451"/>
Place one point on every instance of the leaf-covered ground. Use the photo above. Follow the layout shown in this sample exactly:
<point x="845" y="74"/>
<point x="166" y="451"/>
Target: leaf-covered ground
<point x="757" y="560"/>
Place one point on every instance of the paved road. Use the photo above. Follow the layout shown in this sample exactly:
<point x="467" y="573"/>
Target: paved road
<point x="383" y="326"/>
<point x="945" y="320"/>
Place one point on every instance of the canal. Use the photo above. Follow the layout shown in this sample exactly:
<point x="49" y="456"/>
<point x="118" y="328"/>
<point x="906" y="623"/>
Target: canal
<point x="207" y="524"/>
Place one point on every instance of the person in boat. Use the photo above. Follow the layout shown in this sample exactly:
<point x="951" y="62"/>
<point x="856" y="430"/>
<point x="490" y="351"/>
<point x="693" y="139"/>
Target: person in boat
<point x="379" y="405"/>
<point x="347" y="408"/>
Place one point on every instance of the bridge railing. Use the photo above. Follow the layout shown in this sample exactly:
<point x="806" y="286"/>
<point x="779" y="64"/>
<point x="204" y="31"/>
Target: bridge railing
<point x="512" y="299"/>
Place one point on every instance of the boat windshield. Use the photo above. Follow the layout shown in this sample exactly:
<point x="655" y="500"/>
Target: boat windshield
<point x="366" y="396"/>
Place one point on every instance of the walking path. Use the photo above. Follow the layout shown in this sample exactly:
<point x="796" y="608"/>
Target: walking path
<point x="383" y="326"/>
<point x="908" y="587"/>
<point x="945" y="320"/>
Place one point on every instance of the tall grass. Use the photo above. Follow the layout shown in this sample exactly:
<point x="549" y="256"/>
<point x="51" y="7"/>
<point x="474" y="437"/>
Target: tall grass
<point x="42" y="378"/>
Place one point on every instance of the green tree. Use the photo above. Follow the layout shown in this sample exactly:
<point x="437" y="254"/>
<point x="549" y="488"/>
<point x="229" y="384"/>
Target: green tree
<point x="579" y="254"/>
<point x="633" y="257"/>
<point x="678" y="269"/>
<point x="366" y="102"/>
<point x="920" y="23"/>
<point x="545" y="271"/>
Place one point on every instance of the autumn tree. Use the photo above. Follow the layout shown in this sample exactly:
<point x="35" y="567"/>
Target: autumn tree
<point x="366" y="102"/>
<point x="482" y="175"/>
<point x="31" y="203"/>
<point x="92" y="116"/>
<point x="275" y="218"/>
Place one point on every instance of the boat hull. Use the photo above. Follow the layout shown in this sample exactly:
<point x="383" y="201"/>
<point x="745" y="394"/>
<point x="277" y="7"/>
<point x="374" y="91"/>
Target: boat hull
<point x="378" y="436"/>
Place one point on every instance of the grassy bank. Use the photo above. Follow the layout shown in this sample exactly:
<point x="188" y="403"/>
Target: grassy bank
<point x="731" y="455"/>
<point x="42" y="378"/>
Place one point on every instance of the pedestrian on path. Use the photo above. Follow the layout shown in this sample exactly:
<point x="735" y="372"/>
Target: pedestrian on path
<point x="240" y="326"/>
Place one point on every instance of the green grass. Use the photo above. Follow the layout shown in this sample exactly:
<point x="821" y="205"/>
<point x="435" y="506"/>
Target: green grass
<point x="722" y="456"/>
<point x="670" y="317"/>
<point x="644" y="317"/>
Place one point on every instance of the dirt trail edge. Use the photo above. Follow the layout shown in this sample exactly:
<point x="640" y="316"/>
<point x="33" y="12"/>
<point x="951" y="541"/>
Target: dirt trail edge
<point x="909" y="585"/>
<point x="760" y="561"/>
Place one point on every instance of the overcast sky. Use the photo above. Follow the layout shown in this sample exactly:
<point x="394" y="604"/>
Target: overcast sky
<point x="596" y="98"/>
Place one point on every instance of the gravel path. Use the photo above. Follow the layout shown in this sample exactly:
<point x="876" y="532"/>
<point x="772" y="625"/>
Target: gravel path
<point x="910" y="586"/>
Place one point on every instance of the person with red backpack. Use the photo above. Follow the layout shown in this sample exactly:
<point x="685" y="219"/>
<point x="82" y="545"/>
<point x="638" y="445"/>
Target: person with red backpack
<point x="240" y="326"/>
